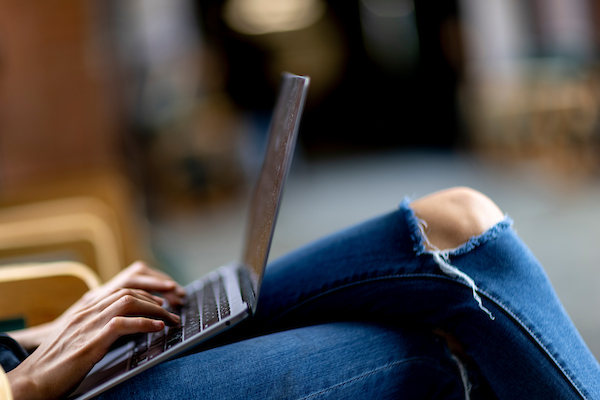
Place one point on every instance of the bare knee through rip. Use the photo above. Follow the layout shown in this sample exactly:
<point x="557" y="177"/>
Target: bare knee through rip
<point x="454" y="215"/>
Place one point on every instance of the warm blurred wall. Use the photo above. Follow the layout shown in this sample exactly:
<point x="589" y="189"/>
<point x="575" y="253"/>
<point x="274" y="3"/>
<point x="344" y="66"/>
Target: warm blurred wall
<point x="381" y="75"/>
<point x="532" y="86"/>
<point x="56" y="110"/>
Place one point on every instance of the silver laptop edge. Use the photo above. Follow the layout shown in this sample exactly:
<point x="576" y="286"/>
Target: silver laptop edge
<point x="260" y="227"/>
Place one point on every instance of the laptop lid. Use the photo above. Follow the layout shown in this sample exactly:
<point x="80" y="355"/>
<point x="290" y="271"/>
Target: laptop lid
<point x="264" y="205"/>
<point x="262" y="216"/>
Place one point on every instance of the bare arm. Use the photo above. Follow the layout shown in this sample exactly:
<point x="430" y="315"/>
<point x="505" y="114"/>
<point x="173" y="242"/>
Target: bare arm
<point x="138" y="276"/>
<point x="59" y="364"/>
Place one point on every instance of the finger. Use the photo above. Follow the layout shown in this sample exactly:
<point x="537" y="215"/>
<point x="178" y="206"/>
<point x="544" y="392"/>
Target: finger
<point x="154" y="284"/>
<point x="120" y="326"/>
<point x="174" y="286"/>
<point x="117" y="294"/>
<point x="142" y="268"/>
<point x="129" y="305"/>
<point x="141" y="294"/>
<point x="152" y="279"/>
<point x="174" y="299"/>
<point x="170" y="290"/>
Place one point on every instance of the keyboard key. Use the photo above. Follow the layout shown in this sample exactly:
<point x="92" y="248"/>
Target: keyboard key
<point x="157" y="338"/>
<point x="141" y="346"/>
<point x="138" y="358"/>
<point x="223" y="300"/>
<point x="155" y="351"/>
<point x="175" y="336"/>
<point x="191" y="330"/>
<point x="210" y="314"/>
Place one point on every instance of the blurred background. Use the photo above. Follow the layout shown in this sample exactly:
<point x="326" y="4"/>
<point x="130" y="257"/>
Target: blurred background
<point x="134" y="128"/>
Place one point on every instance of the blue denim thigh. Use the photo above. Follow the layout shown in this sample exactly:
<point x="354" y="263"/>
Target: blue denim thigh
<point x="491" y="293"/>
<point x="350" y="360"/>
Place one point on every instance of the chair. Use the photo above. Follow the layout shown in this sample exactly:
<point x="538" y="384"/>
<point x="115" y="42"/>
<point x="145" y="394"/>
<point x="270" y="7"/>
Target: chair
<point x="79" y="229"/>
<point x="90" y="217"/>
<point x="32" y="294"/>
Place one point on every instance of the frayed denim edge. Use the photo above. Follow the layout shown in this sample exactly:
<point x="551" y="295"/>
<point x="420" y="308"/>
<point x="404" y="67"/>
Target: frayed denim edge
<point x="442" y="257"/>
<point x="492" y="233"/>
<point x="474" y="242"/>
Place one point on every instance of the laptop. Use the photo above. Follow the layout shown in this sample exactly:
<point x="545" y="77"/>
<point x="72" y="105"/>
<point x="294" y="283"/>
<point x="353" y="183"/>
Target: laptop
<point x="229" y="294"/>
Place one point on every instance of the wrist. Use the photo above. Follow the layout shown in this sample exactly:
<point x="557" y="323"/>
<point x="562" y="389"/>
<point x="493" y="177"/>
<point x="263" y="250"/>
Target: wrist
<point x="21" y="386"/>
<point x="30" y="338"/>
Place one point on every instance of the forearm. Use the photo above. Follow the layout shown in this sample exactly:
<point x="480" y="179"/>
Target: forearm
<point x="19" y="387"/>
<point x="30" y="338"/>
<point x="67" y="349"/>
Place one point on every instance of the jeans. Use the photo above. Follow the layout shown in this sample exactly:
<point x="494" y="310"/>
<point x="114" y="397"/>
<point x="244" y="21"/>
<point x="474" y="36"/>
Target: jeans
<point x="352" y="315"/>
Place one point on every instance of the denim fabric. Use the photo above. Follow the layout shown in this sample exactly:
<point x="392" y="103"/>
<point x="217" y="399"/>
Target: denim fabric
<point x="380" y="280"/>
<point x="11" y="353"/>
<point x="345" y="360"/>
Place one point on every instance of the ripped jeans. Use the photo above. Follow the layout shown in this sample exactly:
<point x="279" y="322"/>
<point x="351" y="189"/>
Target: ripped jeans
<point x="351" y="316"/>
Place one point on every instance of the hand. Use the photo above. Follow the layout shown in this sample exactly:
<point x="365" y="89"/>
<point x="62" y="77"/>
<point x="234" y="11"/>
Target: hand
<point x="59" y="364"/>
<point x="140" y="276"/>
<point x="137" y="276"/>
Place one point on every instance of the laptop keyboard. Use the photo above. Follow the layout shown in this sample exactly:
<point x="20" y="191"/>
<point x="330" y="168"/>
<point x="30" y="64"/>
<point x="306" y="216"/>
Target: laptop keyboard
<point x="195" y="316"/>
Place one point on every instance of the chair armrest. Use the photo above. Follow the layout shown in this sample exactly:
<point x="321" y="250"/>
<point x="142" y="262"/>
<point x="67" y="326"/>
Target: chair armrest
<point x="71" y="225"/>
<point x="39" y="293"/>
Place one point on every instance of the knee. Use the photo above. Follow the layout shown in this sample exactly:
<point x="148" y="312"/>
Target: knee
<point x="455" y="215"/>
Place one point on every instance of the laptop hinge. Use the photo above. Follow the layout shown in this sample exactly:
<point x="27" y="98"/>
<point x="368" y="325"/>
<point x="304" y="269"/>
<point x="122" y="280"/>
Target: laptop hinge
<point x="248" y="295"/>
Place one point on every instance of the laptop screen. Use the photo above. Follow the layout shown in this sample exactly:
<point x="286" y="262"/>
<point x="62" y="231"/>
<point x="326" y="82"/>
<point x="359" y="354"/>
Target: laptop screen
<point x="268" y="189"/>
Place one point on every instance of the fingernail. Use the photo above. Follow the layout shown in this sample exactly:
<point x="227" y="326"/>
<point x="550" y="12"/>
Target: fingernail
<point x="159" y="324"/>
